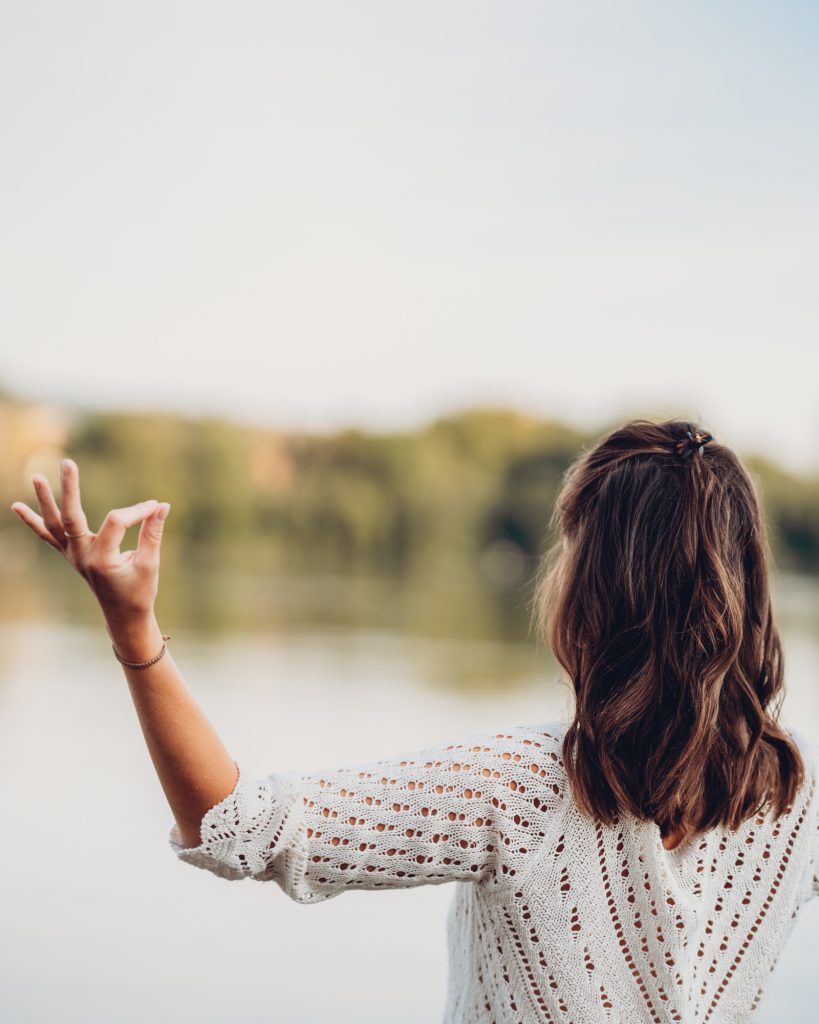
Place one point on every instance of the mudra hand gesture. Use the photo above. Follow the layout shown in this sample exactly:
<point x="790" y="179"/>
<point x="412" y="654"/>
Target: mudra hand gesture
<point x="194" y="767"/>
<point x="125" y="583"/>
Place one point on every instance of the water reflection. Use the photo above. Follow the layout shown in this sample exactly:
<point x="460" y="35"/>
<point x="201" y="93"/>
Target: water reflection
<point x="218" y="591"/>
<point x="102" y="924"/>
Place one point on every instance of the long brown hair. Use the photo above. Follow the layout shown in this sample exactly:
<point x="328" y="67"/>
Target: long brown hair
<point x="655" y="600"/>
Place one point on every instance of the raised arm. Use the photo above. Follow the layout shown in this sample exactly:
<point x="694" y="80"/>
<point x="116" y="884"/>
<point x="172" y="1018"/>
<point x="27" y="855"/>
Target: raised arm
<point x="195" y="770"/>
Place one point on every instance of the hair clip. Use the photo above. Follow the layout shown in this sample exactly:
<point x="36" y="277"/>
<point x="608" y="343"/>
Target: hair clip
<point x="693" y="443"/>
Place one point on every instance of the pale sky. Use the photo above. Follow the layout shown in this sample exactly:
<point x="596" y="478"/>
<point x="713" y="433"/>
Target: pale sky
<point x="314" y="214"/>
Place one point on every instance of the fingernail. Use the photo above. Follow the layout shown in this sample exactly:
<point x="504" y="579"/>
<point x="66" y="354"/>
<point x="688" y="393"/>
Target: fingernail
<point x="64" y="466"/>
<point x="163" y="511"/>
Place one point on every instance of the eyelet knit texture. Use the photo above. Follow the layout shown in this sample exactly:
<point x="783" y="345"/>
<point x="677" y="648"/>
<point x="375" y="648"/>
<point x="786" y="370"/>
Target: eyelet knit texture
<point x="555" y="917"/>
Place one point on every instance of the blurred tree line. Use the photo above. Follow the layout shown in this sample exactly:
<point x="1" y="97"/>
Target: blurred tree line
<point x="480" y="483"/>
<point x="378" y="502"/>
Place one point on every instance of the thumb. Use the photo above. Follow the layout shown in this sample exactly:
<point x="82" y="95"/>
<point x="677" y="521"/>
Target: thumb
<point x="150" y="532"/>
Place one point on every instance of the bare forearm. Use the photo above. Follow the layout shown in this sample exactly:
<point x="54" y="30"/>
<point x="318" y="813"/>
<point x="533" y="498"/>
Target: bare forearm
<point x="195" y="769"/>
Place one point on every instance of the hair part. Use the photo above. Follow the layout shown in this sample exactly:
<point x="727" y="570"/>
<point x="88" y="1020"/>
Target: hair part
<point x="655" y="599"/>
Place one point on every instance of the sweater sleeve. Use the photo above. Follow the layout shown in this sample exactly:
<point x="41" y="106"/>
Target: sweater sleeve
<point x="467" y="810"/>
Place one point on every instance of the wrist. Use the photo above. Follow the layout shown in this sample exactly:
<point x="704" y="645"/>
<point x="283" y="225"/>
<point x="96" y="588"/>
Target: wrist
<point x="138" y="639"/>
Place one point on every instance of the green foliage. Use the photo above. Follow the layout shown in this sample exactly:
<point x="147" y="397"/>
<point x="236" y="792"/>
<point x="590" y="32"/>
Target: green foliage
<point x="378" y="503"/>
<point x="791" y="506"/>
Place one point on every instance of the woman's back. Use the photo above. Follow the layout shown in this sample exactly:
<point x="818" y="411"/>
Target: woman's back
<point x="555" y="916"/>
<point x="607" y="925"/>
<point x="604" y="924"/>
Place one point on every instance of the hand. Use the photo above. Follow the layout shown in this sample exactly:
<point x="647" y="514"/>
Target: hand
<point x="125" y="583"/>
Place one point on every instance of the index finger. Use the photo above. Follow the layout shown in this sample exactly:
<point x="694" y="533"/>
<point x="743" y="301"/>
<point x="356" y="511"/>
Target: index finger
<point x="110" y="534"/>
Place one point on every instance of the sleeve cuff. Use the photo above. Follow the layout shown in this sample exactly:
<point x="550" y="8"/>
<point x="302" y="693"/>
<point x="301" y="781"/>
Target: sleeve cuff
<point x="243" y="835"/>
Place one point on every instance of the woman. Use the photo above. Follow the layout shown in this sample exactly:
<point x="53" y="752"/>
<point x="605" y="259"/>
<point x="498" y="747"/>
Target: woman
<point x="645" y="861"/>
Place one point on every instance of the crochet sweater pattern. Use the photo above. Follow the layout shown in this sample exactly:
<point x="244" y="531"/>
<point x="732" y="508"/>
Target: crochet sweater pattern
<point x="554" y="918"/>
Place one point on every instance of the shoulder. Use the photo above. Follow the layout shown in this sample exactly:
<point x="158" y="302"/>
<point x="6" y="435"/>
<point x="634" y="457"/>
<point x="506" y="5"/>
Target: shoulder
<point x="506" y="766"/>
<point x="543" y="739"/>
<point x="511" y="742"/>
<point x="541" y="735"/>
<point x="526" y="759"/>
<point x="505" y="741"/>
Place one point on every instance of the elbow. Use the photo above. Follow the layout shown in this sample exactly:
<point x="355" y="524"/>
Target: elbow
<point x="188" y="836"/>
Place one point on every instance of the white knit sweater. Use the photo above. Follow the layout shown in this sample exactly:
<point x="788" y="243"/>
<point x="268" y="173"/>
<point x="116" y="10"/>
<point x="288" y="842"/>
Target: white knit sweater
<point x="554" y="918"/>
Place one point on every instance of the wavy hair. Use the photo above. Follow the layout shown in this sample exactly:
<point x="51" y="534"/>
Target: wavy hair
<point x="655" y="600"/>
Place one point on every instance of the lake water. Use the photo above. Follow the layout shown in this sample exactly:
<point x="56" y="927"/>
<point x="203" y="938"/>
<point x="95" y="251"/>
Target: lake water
<point x="100" y="921"/>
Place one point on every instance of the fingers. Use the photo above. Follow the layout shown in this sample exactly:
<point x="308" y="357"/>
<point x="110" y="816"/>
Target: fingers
<point x="110" y="534"/>
<point x="73" y="518"/>
<point x="36" y="522"/>
<point x="69" y="518"/>
<point x="48" y="506"/>
<point x="150" y="534"/>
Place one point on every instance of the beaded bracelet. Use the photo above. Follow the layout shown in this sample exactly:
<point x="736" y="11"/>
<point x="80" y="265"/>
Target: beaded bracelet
<point x="143" y="664"/>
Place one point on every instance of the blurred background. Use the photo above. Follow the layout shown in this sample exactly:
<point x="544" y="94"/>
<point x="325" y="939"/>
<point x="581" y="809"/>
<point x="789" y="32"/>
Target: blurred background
<point x="350" y="286"/>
